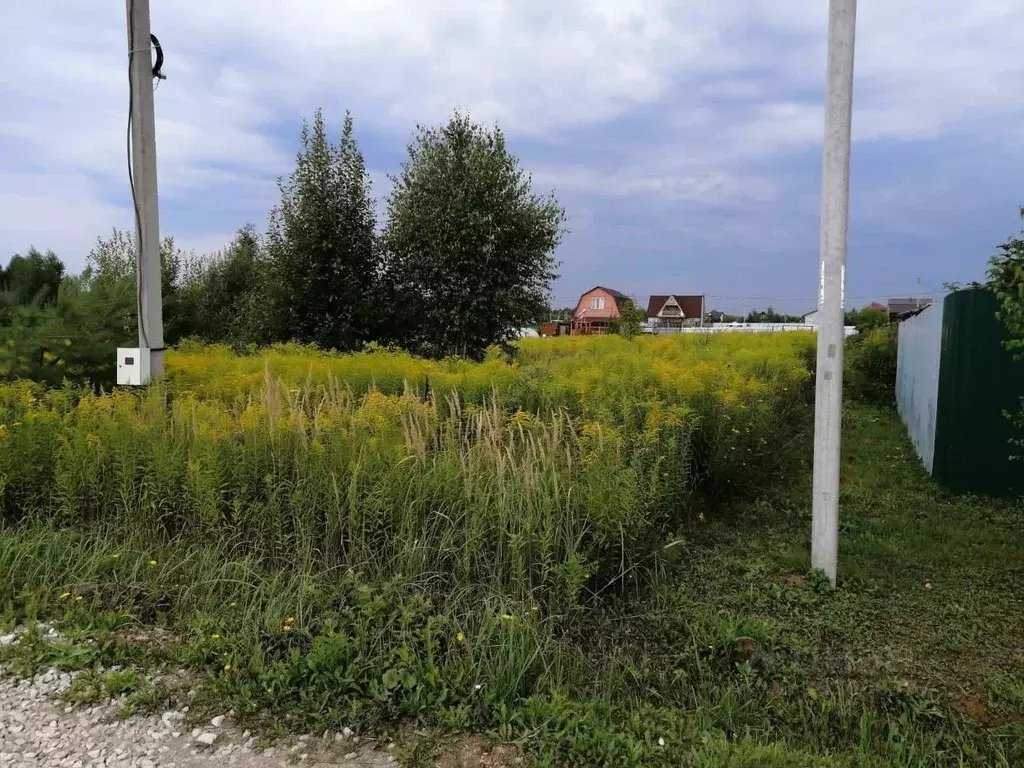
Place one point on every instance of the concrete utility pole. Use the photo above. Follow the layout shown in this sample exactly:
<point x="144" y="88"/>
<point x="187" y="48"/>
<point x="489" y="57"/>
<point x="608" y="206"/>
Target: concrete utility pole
<point x="835" y="200"/>
<point x="145" y="202"/>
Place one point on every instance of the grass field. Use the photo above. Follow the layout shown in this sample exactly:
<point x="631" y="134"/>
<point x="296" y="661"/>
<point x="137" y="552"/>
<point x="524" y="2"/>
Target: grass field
<point x="590" y="553"/>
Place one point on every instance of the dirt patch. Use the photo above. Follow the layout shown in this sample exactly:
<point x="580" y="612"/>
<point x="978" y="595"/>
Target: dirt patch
<point x="975" y="707"/>
<point x="147" y="637"/>
<point x="794" y="581"/>
<point x="474" y="752"/>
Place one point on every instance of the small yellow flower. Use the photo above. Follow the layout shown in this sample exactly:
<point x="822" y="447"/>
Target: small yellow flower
<point x="78" y="598"/>
<point x="152" y="563"/>
<point x="506" y="617"/>
<point x="460" y="638"/>
<point x="286" y="628"/>
<point x="65" y="595"/>
<point x="290" y="620"/>
<point x="234" y="604"/>
<point x="227" y="667"/>
<point x="116" y="555"/>
<point x="215" y="636"/>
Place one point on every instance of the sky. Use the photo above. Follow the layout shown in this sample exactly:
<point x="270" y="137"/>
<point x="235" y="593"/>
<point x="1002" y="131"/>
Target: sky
<point x="683" y="139"/>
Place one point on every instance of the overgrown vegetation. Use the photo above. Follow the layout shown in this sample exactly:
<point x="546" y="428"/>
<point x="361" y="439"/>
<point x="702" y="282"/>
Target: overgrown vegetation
<point x="726" y="653"/>
<point x="542" y="481"/>
<point x="870" y="365"/>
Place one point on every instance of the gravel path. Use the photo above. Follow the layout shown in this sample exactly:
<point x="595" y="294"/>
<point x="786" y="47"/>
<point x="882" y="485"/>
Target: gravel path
<point x="38" y="729"/>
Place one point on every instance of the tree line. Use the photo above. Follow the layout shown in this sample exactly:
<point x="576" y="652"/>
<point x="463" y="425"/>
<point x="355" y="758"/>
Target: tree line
<point x="463" y="259"/>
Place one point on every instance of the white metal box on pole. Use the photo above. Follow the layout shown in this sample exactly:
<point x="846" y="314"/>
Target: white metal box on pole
<point x="133" y="366"/>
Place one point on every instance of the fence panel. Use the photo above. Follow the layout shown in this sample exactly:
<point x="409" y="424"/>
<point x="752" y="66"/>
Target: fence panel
<point x="917" y="378"/>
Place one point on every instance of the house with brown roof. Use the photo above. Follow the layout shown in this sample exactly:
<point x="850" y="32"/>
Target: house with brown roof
<point x="675" y="311"/>
<point x="900" y="309"/>
<point x="597" y="311"/>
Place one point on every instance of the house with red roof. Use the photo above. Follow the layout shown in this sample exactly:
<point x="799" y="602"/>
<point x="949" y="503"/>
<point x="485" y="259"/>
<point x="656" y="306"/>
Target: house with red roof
<point x="675" y="311"/>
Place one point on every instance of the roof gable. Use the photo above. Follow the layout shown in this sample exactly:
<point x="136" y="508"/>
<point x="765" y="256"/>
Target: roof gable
<point x="691" y="306"/>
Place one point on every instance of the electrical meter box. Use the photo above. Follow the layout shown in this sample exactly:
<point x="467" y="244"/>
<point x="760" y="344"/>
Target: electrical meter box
<point x="132" y="366"/>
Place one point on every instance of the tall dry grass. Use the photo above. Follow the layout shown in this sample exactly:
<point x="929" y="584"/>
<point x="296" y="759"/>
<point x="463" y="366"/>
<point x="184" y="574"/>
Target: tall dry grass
<point x="556" y="475"/>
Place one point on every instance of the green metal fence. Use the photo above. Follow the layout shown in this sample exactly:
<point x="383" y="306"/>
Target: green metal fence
<point x="979" y="383"/>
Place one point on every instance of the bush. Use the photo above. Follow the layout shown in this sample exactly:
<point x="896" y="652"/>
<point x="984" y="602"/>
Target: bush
<point x="870" y="368"/>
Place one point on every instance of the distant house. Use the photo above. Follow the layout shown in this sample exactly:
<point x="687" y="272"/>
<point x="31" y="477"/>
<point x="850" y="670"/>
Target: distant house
<point x="597" y="310"/>
<point x="555" y="328"/>
<point x="900" y="309"/>
<point x="716" y="316"/>
<point x="811" y="318"/>
<point x="675" y="311"/>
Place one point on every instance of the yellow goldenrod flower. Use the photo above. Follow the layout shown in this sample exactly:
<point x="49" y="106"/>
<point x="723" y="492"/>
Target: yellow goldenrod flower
<point x="215" y="636"/>
<point x="460" y="638"/>
<point x="65" y="595"/>
<point x="152" y="563"/>
<point x="506" y="617"/>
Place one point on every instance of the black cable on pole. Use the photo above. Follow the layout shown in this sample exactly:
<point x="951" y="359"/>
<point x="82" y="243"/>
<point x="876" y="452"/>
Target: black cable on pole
<point x="159" y="58"/>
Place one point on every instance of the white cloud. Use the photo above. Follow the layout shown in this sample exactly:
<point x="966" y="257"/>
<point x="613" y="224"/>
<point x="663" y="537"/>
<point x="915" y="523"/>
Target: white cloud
<point x="729" y="85"/>
<point x="58" y="211"/>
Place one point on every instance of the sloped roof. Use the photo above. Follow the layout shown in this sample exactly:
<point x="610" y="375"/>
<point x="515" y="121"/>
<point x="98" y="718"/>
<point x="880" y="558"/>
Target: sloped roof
<point x="691" y="306"/>
<point x="609" y="291"/>
<point x="618" y="296"/>
<point x="902" y="306"/>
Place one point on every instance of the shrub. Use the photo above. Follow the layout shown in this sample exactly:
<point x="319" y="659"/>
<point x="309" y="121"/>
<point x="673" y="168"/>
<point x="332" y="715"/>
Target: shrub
<point x="870" y="368"/>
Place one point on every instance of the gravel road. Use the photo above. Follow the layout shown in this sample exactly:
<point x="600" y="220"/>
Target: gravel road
<point x="36" y="730"/>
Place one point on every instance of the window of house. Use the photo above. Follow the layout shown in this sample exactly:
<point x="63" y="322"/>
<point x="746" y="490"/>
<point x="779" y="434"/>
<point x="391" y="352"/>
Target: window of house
<point x="597" y="302"/>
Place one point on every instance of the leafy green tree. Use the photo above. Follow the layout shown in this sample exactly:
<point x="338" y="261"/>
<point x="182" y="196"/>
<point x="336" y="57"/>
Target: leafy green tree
<point x="866" y="319"/>
<point x="32" y="278"/>
<point x="770" y="315"/>
<point x="631" y="319"/>
<point x="322" y="243"/>
<point x="1006" y="280"/>
<point x="470" y="247"/>
<point x="230" y="294"/>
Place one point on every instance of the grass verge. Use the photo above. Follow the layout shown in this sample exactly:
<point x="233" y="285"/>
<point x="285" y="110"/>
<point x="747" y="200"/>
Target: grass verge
<point x="729" y="654"/>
